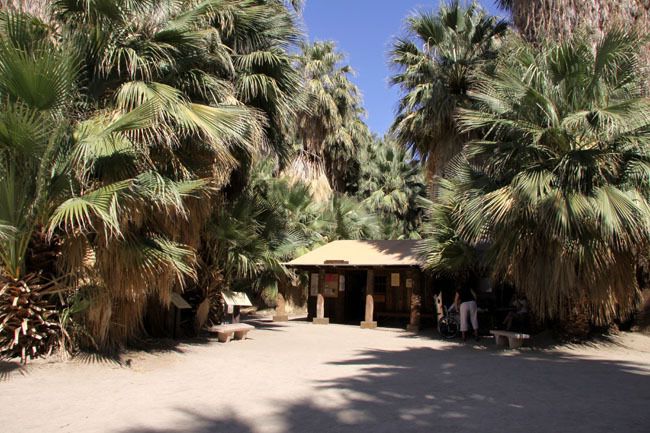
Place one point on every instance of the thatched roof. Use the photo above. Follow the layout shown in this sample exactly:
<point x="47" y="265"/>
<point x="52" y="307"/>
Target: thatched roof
<point x="361" y="253"/>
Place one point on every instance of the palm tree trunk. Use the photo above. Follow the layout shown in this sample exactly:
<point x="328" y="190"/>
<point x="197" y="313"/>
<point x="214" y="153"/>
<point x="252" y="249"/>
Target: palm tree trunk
<point x="37" y="8"/>
<point x="438" y="163"/>
<point x="559" y="19"/>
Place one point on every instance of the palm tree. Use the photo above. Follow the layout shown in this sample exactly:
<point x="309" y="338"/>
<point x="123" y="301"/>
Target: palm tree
<point x="129" y="127"/>
<point x="246" y="241"/>
<point x="257" y="37"/>
<point x="330" y="127"/>
<point x="558" y="185"/>
<point x="435" y="64"/>
<point x="392" y="185"/>
<point x="167" y="58"/>
<point x="50" y="177"/>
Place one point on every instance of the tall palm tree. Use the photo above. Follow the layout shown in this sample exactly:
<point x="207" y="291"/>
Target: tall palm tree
<point x="258" y="37"/>
<point x="392" y="185"/>
<point x="558" y="185"/>
<point x="330" y="127"/>
<point x="168" y="58"/>
<point x="436" y="63"/>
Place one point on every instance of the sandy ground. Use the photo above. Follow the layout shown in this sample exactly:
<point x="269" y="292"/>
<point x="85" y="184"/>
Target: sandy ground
<point x="298" y="377"/>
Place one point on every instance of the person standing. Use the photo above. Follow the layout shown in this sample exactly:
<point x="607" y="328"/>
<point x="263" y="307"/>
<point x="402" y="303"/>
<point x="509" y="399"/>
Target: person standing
<point x="466" y="303"/>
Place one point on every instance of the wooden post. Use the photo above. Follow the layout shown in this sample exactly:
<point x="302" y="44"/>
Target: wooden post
<point x="320" y="318"/>
<point x="416" y="304"/>
<point x="370" y="308"/>
<point x="280" y="309"/>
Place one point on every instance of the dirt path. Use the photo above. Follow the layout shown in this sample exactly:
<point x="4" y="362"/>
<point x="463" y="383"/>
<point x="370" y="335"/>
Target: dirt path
<point x="300" y="378"/>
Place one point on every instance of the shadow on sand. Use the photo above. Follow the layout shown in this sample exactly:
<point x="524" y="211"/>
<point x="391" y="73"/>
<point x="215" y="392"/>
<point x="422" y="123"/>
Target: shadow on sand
<point x="453" y="389"/>
<point x="152" y="346"/>
<point x="10" y="368"/>
<point x="156" y="346"/>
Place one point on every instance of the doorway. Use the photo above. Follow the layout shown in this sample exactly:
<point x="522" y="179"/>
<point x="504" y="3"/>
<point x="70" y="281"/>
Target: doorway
<point x="355" y="291"/>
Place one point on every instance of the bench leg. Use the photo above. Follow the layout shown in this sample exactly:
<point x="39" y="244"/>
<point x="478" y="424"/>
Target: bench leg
<point x="515" y="343"/>
<point x="240" y="335"/>
<point x="501" y="340"/>
<point x="224" y="337"/>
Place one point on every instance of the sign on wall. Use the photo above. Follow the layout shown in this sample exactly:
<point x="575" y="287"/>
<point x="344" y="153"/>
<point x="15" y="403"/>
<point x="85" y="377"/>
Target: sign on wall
<point x="394" y="279"/>
<point x="409" y="283"/>
<point x="331" y="285"/>
<point x="341" y="283"/>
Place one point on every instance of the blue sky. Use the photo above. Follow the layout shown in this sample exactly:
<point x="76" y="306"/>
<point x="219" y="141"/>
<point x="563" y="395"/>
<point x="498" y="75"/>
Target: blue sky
<point x="364" y="29"/>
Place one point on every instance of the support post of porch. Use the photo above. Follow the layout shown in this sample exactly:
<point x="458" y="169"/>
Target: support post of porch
<point x="368" y="322"/>
<point x="320" y="318"/>
<point x="416" y="303"/>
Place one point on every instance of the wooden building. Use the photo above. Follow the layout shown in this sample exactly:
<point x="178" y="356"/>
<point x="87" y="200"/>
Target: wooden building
<point x="346" y="271"/>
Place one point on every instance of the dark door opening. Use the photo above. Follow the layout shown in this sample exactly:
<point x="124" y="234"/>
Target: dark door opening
<point x="355" y="299"/>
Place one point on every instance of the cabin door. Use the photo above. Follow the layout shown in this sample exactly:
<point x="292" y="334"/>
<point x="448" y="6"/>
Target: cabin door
<point x="355" y="293"/>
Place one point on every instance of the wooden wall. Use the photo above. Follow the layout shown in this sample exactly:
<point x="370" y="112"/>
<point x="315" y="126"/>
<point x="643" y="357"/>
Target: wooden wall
<point x="390" y="300"/>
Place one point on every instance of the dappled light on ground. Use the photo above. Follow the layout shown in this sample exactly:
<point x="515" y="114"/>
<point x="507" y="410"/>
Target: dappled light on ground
<point x="298" y="378"/>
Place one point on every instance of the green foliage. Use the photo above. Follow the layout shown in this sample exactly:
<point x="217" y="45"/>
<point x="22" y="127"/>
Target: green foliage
<point x="557" y="187"/>
<point x="330" y="127"/>
<point x="273" y="221"/>
<point x="392" y="186"/>
<point x="445" y="252"/>
<point x="115" y="121"/>
<point x="141" y="146"/>
<point x="436" y="63"/>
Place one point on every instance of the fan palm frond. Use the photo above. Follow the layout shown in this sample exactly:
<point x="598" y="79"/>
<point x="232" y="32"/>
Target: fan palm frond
<point x="436" y="64"/>
<point x="554" y="191"/>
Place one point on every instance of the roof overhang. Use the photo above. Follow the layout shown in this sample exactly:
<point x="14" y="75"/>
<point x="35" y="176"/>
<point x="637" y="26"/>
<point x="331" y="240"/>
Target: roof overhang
<point x="361" y="254"/>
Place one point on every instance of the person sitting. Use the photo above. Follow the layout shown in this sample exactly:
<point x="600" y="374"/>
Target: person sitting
<point x="519" y="314"/>
<point x="465" y="302"/>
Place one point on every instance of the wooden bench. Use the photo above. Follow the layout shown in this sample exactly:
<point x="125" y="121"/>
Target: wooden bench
<point x="513" y="339"/>
<point x="226" y="332"/>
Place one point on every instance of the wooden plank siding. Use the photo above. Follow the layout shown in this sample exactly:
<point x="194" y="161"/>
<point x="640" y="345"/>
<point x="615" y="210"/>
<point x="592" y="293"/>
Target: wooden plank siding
<point x="390" y="302"/>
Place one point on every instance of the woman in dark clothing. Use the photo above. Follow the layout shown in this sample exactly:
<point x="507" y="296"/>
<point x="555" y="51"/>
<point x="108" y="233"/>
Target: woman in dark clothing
<point x="466" y="304"/>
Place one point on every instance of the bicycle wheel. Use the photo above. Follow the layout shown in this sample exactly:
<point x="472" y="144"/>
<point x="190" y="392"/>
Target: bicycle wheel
<point x="448" y="328"/>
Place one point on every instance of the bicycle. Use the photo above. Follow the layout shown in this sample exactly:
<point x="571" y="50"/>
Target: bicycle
<point x="449" y="324"/>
